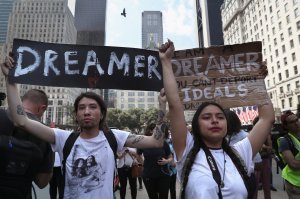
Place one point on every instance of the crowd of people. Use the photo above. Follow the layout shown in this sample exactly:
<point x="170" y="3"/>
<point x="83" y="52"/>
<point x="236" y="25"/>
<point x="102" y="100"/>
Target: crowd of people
<point x="211" y="158"/>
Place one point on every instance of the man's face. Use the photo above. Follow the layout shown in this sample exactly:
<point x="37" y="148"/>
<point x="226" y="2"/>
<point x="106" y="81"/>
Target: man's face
<point x="292" y="123"/>
<point x="88" y="114"/>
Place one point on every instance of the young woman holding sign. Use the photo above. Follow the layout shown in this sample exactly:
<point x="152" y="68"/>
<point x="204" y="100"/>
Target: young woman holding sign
<point x="207" y="166"/>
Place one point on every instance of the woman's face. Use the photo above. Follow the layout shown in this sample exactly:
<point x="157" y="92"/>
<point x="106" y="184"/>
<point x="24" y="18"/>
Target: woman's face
<point x="213" y="126"/>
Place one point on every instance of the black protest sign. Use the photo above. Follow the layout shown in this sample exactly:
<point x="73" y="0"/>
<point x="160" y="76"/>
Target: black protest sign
<point x="229" y="75"/>
<point x="80" y="66"/>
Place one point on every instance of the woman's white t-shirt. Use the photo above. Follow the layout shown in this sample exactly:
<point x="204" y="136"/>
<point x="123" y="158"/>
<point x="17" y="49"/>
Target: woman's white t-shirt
<point x="90" y="165"/>
<point x="201" y="184"/>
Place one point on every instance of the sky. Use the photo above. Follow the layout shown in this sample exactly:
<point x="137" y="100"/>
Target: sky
<point x="179" y="22"/>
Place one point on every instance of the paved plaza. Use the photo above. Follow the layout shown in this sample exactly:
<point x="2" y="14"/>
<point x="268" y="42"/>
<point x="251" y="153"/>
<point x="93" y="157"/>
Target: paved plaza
<point x="142" y="194"/>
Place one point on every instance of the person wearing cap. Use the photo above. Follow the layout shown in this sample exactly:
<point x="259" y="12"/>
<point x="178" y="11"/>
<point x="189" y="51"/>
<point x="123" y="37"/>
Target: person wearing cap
<point x="289" y="148"/>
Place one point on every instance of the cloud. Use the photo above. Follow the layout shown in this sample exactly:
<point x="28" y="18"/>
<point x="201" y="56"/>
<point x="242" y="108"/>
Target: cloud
<point x="179" y="17"/>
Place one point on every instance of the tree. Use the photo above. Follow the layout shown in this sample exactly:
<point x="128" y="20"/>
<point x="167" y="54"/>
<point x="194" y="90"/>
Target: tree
<point x="134" y="119"/>
<point x="113" y="115"/>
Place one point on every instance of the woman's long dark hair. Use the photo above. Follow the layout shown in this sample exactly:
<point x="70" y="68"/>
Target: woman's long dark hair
<point x="198" y="144"/>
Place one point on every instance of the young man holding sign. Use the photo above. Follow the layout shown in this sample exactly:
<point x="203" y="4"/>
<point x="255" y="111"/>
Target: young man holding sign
<point x="82" y="179"/>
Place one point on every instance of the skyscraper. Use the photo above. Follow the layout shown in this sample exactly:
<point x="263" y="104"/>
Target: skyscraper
<point x="5" y="10"/>
<point x="90" y="18"/>
<point x="209" y="22"/>
<point x="45" y="21"/>
<point x="152" y="29"/>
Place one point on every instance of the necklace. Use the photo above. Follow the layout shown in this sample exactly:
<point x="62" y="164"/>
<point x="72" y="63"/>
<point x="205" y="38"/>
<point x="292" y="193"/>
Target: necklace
<point x="224" y="168"/>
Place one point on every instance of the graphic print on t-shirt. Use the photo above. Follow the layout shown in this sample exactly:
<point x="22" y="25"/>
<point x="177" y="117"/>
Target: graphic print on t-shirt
<point x="87" y="174"/>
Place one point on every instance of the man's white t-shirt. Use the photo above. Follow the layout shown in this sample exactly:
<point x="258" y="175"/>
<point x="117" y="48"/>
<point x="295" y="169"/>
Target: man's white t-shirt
<point x="90" y="165"/>
<point x="201" y="184"/>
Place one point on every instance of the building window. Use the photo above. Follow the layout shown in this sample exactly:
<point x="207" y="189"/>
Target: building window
<point x="298" y="25"/>
<point x="141" y="99"/>
<point x="285" y="61"/>
<point x="281" y="89"/>
<point x="282" y="37"/>
<point x="278" y="64"/>
<point x="141" y="105"/>
<point x="290" y="31"/>
<point x="131" y="93"/>
<point x="297" y="84"/>
<point x="279" y="76"/>
<point x="283" y="48"/>
<point x="275" y="41"/>
<point x="279" y="25"/>
<point x="296" y="12"/>
<point x="293" y="57"/>
<point x="131" y="99"/>
<point x="150" y="99"/>
<point x="288" y="87"/>
<point x="141" y="93"/>
<point x="150" y="93"/>
<point x="291" y="102"/>
<point x="282" y="104"/>
<point x="60" y="102"/>
<point x="288" y="19"/>
<point x="286" y="8"/>
<point x="287" y="75"/>
<point x="296" y="70"/>
<point x="292" y="44"/>
<point x="131" y="106"/>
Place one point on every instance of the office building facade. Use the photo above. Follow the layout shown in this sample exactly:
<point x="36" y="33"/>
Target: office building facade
<point x="45" y="21"/>
<point x="276" y="24"/>
<point x="209" y="22"/>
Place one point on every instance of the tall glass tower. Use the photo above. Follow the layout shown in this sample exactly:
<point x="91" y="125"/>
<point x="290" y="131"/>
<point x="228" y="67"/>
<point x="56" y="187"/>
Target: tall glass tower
<point x="152" y="29"/>
<point x="90" y="16"/>
<point x="209" y="20"/>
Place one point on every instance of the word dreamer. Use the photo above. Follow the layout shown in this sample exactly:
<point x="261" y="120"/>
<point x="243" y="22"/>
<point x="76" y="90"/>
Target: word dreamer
<point x="86" y="66"/>
<point x="229" y="75"/>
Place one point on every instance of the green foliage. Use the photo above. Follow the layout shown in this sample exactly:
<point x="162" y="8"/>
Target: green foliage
<point x="134" y="119"/>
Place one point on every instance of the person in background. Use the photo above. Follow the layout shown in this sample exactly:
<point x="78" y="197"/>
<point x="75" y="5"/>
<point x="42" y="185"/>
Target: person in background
<point x="200" y="152"/>
<point x="289" y="149"/>
<point x="55" y="184"/>
<point x="172" y="167"/>
<point x="19" y="182"/>
<point x="236" y="134"/>
<point x="126" y="158"/>
<point x="266" y="170"/>
<point x="156" y="173"/>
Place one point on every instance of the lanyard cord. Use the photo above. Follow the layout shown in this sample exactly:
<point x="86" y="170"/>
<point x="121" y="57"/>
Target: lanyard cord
<point x="215" y="171"/>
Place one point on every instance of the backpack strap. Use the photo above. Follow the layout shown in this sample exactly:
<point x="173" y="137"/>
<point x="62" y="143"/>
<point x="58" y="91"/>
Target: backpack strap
<point x="66" y="151"/>
<point x="110" y="136"/>
<point x="112" y="141"/>
<point x="70" y="142"/>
